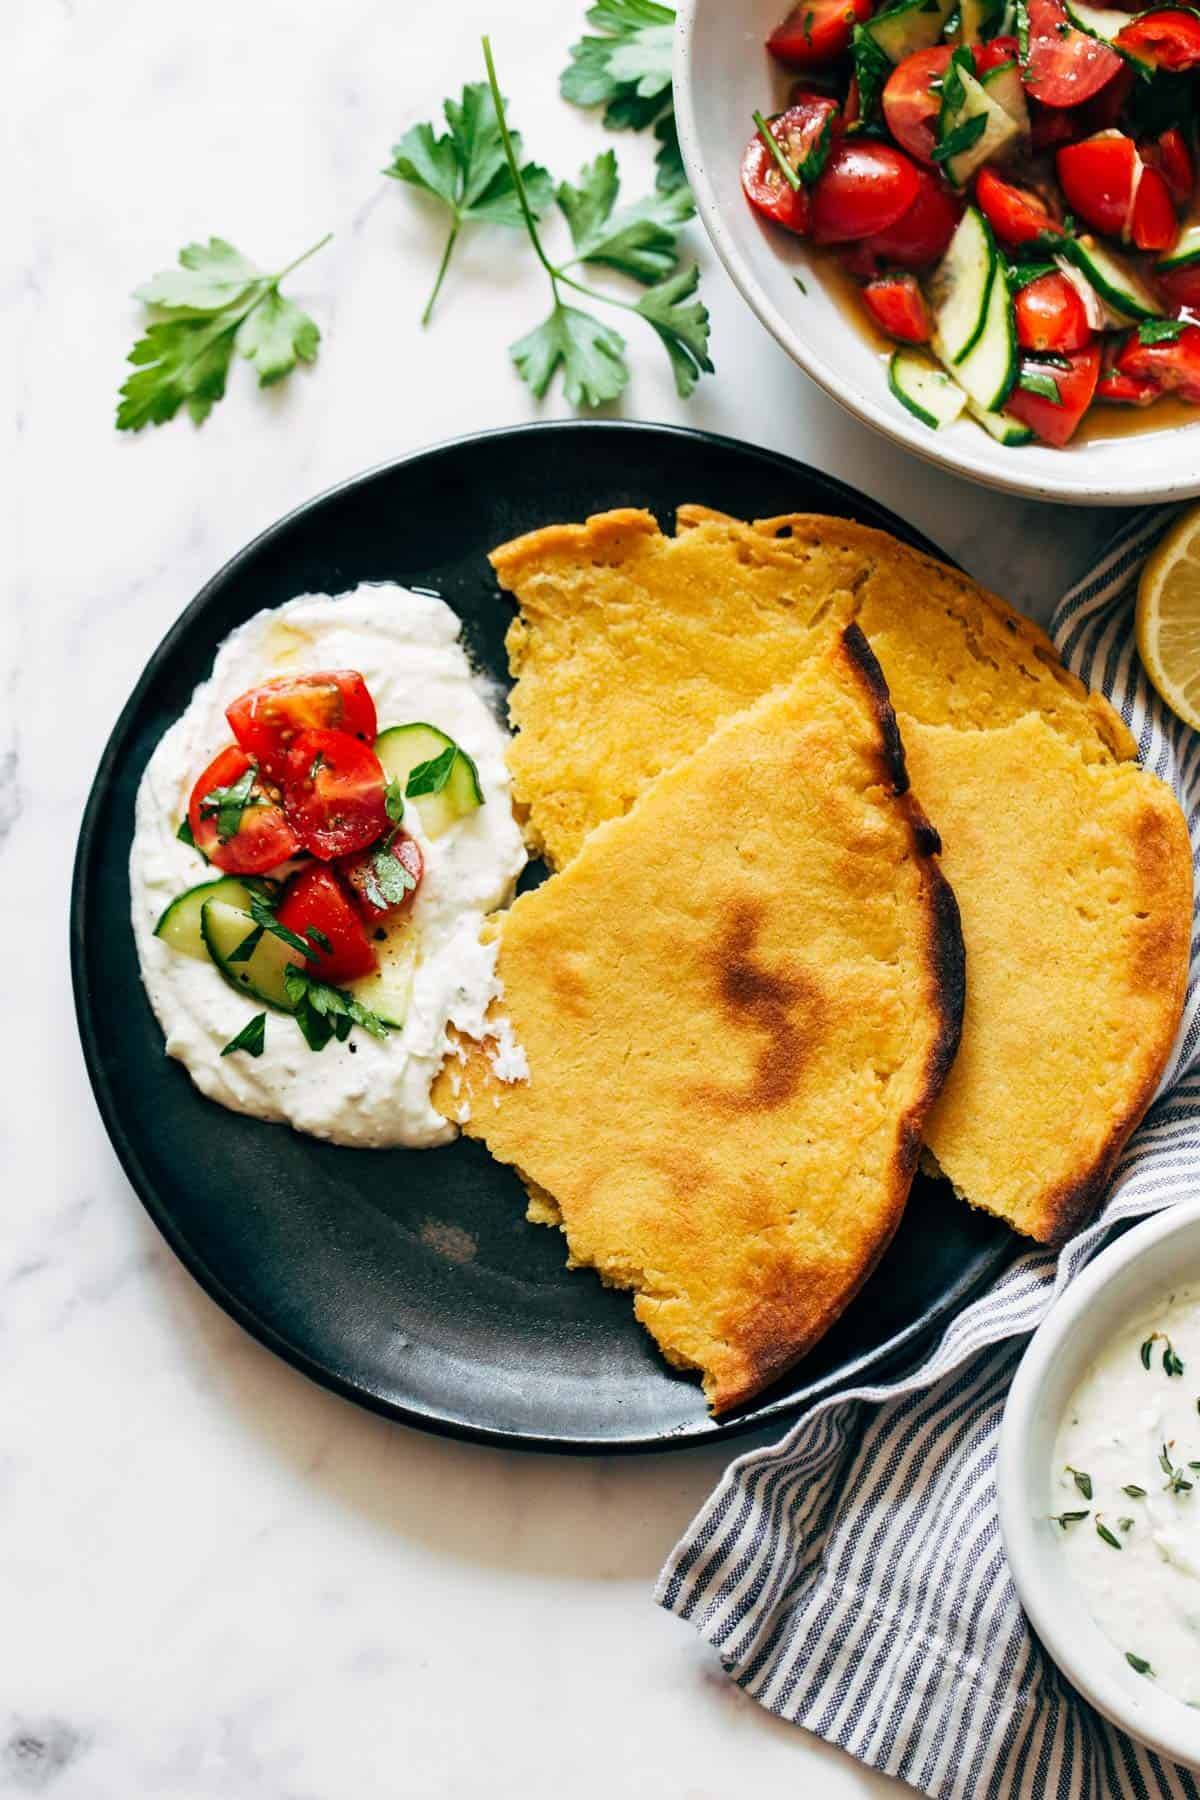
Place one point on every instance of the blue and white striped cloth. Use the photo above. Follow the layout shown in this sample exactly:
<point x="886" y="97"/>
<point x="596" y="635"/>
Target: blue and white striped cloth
<point x="852" y="1577"/>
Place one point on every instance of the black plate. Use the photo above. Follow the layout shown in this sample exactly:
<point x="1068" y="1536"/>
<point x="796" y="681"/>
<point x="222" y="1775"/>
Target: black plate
<point x="409" y="1280"/>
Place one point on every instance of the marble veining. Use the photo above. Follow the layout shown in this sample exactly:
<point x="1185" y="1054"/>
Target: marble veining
<point x="215" y="1579"/>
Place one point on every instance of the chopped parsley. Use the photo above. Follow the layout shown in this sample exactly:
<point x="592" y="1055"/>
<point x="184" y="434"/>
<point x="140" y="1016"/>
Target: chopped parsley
<point x="1109" y="1537"/>
<point x="263" y="914"/>
<point x="186" y="835"/>
<point x="1162" y="331"/>
<point x="1067" y="1518"/>
<point x="431" y="777"/>
<point x="250" y="1038"/>
<point x="1035" y="382"/>
<point x="386" y="881"/>
<point x="1082" y="1481"/>
<point x="323" y="1012"/>
<point x="1138" y="1664"/>
<point x="227" y="804"/>
<point x="962" y="138"/>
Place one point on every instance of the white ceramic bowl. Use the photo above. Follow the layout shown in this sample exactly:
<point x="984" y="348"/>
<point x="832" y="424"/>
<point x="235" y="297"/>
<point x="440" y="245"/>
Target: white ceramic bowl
<point x="1135" y="1271"/>
<point x="722" y="73"/>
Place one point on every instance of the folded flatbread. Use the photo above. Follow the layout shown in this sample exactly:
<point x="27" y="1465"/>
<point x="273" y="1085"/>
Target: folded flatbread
<point x="737" y="1005"/>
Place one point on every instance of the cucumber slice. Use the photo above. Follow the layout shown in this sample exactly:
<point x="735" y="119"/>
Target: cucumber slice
<point x="999" y="129"/>
<point x="1117" y="284"/>
<point x="224" y="928"/>
<point x="909" y="25"/>
<point x="989" y="369"/>
<point x="179" y="926"/>
<point x="1186" y="251"/>
<point x="928" y="393"/>
<point x="402" y="748"/>
<point x="961" y="286"/>
<point x="1004" y="85"/>
<point x="1103" y="22"/>
<point x="999" y="425"/>
<point x="387" y="990"/>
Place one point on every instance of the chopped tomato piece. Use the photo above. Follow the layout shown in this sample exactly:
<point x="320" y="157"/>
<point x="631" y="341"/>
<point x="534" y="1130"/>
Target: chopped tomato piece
<point x="1154" y="225"/>
<point x="865" y="188"/>
<point x="1016" y="215"/>
<point x="911" y="103"/>
<point x="266" y="720"/>
<point x="1122" y="390"/>
<point x="1181" y="287"/>
<point x="1064" y="66"/>
<point x="995" y="53"/>
<point x="919" y="236"/>
<point x="367" y="876"/>
<point x="798" y="131"/>
<point x="1055" y="421"/>
<point x="334" y="794"/>
<point x="1171" y="155"/>
<point x="1167" y="39"/>
<point x="1174" y="367"/>
<point x="817" y="30"/>
<point x="236" y="821"/>
<point x="1098" y="179"/>
<point x="1051" y="315"/>
<point x="315" y="902"/>
<point x="898" y="305"/>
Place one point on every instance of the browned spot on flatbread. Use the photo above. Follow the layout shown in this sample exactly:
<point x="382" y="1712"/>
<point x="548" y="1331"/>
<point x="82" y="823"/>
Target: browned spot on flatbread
<point x="785" y="1009"/>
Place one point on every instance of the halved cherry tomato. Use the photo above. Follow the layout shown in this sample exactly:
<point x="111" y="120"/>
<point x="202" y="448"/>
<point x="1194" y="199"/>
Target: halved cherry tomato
<point x="898" y="304"/>
<point x="1181" y="287"/>
<point x="1064" y="66"/>
<point x="361" y="875"/>
<point x="1174" y="367"/>
<point x="266" y="720"/>
<point x="1122" y="390"/>
<point x="1154" y="225"/>
<point x="817" y="30"/>
<point x="1051" y="315"/>
<point x="242" y="839"/>
<point x="334" y="794"/>
<point x="314" y="901"/>
<point x="797" y="131"/>
<point x="865" y="188"/>
<point x="919" y="236"/>
<point x="1171" y="155"/>
<point x="1167" y="39"/>
<point x="1055" y="422"/>
<point x="1016" y="215"/>
<point x="995" y="53"/>
<point x="1098" y="179"/>
<point x="911" y="103"/>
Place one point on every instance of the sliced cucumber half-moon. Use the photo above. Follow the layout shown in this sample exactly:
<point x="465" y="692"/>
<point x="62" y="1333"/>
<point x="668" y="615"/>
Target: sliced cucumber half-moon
<point x="405" y="748"/>
<point x="179" y="925"/>
<point x="259" y="975"/>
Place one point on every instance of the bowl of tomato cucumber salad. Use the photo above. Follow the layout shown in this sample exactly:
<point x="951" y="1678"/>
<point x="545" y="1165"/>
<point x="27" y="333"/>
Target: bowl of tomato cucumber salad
<point x="976" y="223"/>
<point x="318" y="840"/>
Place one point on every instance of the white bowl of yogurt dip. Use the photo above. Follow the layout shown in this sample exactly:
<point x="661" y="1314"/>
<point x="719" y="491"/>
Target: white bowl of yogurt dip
<point x="1099" y="1483"/>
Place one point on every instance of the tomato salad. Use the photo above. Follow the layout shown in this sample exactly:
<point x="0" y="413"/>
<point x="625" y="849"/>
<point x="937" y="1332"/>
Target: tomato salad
<point x="1011" y="185"/>
<point x="302" y="815"/>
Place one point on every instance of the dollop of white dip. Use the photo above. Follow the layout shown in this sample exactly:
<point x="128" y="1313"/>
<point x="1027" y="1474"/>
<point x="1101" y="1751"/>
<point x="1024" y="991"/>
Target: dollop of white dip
<point x="1133" y="1426"/>
<point x="364" y="1091"/>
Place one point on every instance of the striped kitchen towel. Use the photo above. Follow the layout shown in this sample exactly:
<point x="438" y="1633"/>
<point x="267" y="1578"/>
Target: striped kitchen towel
<point x="852" y="1577"/>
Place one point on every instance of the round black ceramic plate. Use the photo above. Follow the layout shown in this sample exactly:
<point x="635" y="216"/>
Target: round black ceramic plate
<point x="409" y="1280"/>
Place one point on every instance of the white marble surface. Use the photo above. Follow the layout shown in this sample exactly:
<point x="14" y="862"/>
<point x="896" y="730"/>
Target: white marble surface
<point x="216" y="1580"/>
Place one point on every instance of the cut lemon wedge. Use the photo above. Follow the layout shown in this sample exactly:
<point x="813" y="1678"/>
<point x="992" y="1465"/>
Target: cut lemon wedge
<point x="1168" y="617"/>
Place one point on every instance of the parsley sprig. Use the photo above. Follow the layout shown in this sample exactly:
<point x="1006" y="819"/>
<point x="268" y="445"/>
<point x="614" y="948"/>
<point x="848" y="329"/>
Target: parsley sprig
<point x="626" y="68"/>
<point x="323" y="1012"/>
<point x="216" y="304"/>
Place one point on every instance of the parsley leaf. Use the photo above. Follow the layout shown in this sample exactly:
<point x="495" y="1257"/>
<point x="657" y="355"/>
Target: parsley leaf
<point x="1138" y="1664"/>
<point x="215" y="305"/>
<point x="683" y="329"/>
<point x="1021" y="274"/>
<point x="393" y="800"/>
<point x="322" y="1011"/>
<point x="626" y="69"/>
<point x="263" y="914"/>
<point x="590" y="354"/>
<point x="669" y="170"/>
<point x="961" y="138"/>
<point x="227" y="804"/>
<point x="1161" y="331"/>
<point x="387" y="882"/>
<point x="185" y="833"/>
<point x="872" y="66"/>
<point x="468" y="171"/>
<point x="250" y="1038"/>
<point x="431" y="777"/>
<point x="640" y="240"/>
<point x="1034" y="381"/>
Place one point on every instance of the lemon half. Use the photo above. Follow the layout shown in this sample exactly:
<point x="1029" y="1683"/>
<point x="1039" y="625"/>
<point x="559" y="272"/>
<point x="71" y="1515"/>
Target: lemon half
<point x="1168" y="617"/>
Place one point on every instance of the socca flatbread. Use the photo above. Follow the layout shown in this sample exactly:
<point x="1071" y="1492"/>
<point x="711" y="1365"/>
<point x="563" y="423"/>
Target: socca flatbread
<point x="631" y="646"/>
<point x="737" y="1005"/>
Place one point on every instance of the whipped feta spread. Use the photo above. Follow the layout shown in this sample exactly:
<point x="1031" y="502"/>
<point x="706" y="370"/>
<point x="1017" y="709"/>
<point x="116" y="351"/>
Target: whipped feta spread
<point x="1131" y="1435"/>
<point x="364" y="1091"/>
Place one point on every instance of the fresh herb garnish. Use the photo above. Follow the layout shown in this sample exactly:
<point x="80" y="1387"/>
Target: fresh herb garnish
<point x="316" y="765"/>
<point x="468" y="171"/>
<point x="1067" y="1518"/>
<point x="1172" y="1364"/>
<point x="962" y="138"/>
<point x="1134" y="1492"/>
<point x="641" y="240"/>
<point x="952" y="89"/>
<point x="215" y="304"/>
<point x="386" y="881"/>
<point x="1125" y="1524"/>
<point x="245" y="950"/>
<point x="626" y="69"/>
<point x="319" y="939"/>
<point x="1176" y="1482"/>
<point x="1147" y="1351"/>
<point x="800" y="285"/>
<point x="809" y="169"/>
<point x="1109" y="1537"/>
<point x="1082" y="1481"/>
<point x="1138" y="1663"/>
<point x="1035" y="382"/>
<point x="227" y="804"/>
<point x="1161" y="331"/>
<point x="872" y="66"/>
<point x="393" y="799"/>
<point x="250" y="1038"/>
<point x="185" y="834"/>
<point x="1021" y="274"/>
<point x="322" y="1011"/>
<point x="431" y="777"/>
